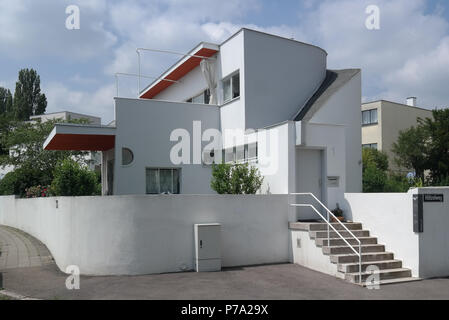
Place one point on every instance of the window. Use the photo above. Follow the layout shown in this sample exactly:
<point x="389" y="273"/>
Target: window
<point x="369" y="117"/>
<point x="251" y="152"/>
<point x="203" y="98"/>
<point x="241" y="154"/>
<point x="231" y="87"/>
<point x="229" y="155"/>
<point x="127" y="156"/>
<point x="162" y="181"/>
<point x="370" y="146"/>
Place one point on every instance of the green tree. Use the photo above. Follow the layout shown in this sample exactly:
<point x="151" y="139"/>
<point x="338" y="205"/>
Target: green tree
<point x="28" y="99"/>
<point x="411" y="149"/>
<point x="235" y="179"/>
<point x="25" y="142"/>
<point x="6" y="101"/>
<point x="71" y="179"/>
<point x="437" y="150"/>
<point x="374" y="170"/>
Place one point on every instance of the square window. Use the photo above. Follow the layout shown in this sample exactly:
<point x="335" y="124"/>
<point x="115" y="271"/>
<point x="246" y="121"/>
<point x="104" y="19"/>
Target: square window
<point x="162" y="181"/>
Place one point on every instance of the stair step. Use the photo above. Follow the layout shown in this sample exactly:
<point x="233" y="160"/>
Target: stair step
<point x="346" y="249"/>
<point x="353" y="258"/>
<point x="354" y="267"/>
<point x="333" y="234"/>
<point x="394" y="281"/>
<point x="385" y="274"/>
<point x="320" y="242"/>
<point x="323" y="226"/>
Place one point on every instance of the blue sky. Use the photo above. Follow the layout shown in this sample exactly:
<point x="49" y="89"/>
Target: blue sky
<point x="409" y="55"/>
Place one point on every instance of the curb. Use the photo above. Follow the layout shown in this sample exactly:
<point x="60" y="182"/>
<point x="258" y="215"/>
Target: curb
<point x="15" y="296"/>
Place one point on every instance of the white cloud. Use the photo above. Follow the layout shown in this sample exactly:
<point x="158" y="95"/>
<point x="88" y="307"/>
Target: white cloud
<point x="98" y="102"/>
<point x="407" y="56"/>
<point x="392" y="58"/>
<point x="36" y="29"/>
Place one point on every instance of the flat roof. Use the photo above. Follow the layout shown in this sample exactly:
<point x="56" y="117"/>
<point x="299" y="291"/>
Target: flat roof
<point x="402" y="104"/>
<point x="188" y="63"/>
<point x="78" y="137"/>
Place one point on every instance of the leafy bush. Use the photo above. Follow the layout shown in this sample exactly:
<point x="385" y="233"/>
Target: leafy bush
<point x="235" y="179"/>
<point x="17" y="181"/>
<point x="70" y="179"/>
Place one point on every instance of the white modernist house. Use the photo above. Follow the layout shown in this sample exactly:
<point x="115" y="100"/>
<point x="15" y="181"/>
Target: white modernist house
<point x="301" y="122"/>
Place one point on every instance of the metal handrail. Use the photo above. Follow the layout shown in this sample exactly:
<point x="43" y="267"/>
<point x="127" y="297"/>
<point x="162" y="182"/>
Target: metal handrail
<point x="359" y="253"/>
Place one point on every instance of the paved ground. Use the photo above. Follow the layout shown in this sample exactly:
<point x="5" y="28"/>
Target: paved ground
<point x="18" y="249"/>
<point x="283" y="281"/>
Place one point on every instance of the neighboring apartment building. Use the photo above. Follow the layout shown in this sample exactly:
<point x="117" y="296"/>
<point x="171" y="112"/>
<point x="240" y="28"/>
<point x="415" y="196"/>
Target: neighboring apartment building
<point x="305" y="120"/>
<point x="383" y="120"/>
<point x="66" y="115"/>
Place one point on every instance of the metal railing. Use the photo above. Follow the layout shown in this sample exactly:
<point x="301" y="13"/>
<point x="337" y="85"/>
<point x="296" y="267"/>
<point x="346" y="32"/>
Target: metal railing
<point x="329" y="225"/>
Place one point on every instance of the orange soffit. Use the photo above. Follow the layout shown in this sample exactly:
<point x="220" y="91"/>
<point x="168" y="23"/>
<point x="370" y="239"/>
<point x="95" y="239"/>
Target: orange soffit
<point x="178" y="73"/>
<point x="81" y="142"/>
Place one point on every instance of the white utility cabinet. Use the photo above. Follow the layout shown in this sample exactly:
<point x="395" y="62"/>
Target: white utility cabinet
<point x="207" y="247"/>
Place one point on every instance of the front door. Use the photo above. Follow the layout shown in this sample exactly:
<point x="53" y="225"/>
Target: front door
<point x="309" y="178"/>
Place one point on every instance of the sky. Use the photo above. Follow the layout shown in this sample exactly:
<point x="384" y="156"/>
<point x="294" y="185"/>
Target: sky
<point x="407" y="56"/>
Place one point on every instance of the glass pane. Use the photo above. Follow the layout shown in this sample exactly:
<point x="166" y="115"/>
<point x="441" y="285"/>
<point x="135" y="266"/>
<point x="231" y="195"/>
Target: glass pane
<point x="236" y="86"/>
<point x="252" y="151"/>
<point x="175" y="180"/>
<point x="152" y="181"/>
<point x="229" y="155"/>
<point x="240" y="153"/>
<point x="206" y="96"/>
<point x="166" y="180"/>
<point x="374" y="116"/>
<point x="365" y="117"/>
<point x="374" y="146"/>
<point x="199" y="98"/>
<point x="127" y="156"/>
<point x="227" y="90"/>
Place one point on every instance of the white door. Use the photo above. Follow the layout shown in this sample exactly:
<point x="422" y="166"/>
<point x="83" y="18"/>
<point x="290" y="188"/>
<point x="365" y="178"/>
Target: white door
<point x="309" y="178"/>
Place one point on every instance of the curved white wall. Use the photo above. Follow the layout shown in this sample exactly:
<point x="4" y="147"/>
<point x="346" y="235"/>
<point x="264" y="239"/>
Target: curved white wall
<point x="151" y="234"/>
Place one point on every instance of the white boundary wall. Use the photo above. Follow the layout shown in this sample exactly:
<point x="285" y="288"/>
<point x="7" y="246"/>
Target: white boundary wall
<point x="389" y="216"/>
<point x="144" y="234"/>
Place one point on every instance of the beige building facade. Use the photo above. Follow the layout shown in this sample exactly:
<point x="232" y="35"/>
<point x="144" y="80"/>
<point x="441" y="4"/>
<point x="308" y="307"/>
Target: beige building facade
<point x="383" y="120"/>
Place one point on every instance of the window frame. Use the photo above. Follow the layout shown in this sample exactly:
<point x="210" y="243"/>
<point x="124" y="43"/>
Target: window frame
<point x="370" y="112"/>
<point x="230" y="78"/>
<point x="132" y="157"/>
<point x="205" y="93"/>
<point x="370" y="146"/>
<point x="159" y="179"/>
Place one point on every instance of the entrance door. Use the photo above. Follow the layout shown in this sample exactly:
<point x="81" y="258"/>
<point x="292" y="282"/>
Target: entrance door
<point x="309" y="178"/>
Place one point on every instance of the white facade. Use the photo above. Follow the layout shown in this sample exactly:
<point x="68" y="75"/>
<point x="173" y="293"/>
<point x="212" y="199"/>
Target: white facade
<point x="281" y="94"/>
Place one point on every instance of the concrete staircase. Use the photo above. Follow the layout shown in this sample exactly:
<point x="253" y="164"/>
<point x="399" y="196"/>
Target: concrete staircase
<point x="373" y="253"/>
